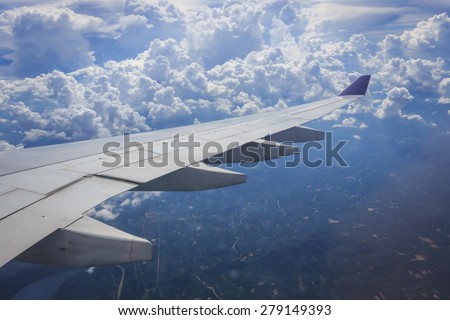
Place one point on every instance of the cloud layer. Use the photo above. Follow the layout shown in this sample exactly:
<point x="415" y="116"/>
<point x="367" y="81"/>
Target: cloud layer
<point x="72" y="74"/>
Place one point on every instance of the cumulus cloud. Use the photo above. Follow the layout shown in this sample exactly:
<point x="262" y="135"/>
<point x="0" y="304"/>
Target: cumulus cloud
<point x="22" y="116"/>
<point x="416" y="117"/>
<point x="209" y="63"/>
<point x="105" y="212"/>
<point x="429" y="39"/>
<point x="216" y="35"/>
<point x="61" y="108"/>
<point x="392" y="105"/>
<point x="444" y="90"/>
<point x="5" y="146"/>
<point x="134" y="199"/>
<point x="415" y="74"/>
<point x="46" y="38"/>
<point x="146" y="20"/>
<point x="114" y="207"/>
<point x="351" y="122"/>
<point x="348" y="123"/>
<point x="417" y="58"/>
<point x="220" y="34"/>
<point x="363" y="126"/>
<point x="34" y="135"/>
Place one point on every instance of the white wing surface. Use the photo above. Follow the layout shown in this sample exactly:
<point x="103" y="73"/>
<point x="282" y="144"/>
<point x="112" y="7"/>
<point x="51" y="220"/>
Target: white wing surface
<point x="45" y="191"/>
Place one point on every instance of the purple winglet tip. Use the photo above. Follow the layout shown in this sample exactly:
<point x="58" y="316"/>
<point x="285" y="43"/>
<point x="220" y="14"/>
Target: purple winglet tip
<point x="358" y="87"/>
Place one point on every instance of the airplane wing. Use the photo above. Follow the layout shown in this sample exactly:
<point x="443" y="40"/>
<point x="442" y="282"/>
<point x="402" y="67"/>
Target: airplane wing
<point x="46" y="191"/>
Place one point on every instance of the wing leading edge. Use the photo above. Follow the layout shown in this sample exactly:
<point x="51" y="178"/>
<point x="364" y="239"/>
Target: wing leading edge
<point x="45" y="192"/>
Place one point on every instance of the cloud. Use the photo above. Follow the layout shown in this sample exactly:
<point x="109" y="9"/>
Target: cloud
<point x="444" y="90"/>
<point x="5" y="146"/>
<point x="285" y="26"/>
<point x="216" y="35"/>
<point x="349" y="122"/>
<point x="20" y="115"/>
<point x="138" y="198"/>
<point x="417" y="58"/>
<point x="429" y="39"/>
<point x="144" y="21"/>
<point x="46" y="38"/>
<point x="413" y="116"/>
<point x="60" y="108"/>
<point x="415" y="74"/>
<point x="90" y="270"/>
<point x="34" y="135"/>
<point x="134" y="199"/>
<point x="112" y="208"/>
<point x="103" y="212"/>
<point x="330" y="20"/>
<point x="209" y="63"/>
<point x="392" y="105"/>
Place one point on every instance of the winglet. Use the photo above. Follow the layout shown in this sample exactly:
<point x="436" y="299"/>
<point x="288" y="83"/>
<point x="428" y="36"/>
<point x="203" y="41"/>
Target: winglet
<point x="357" y="88"/>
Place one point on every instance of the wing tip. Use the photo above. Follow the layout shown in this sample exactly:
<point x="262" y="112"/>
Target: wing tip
<point x="358" y="87"/>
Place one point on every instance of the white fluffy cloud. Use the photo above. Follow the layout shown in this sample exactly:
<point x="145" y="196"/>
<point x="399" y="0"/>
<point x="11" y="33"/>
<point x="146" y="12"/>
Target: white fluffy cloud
<point x="417" y="58"/>
<point x="217" y="35"/>
<point x="112" y="208"/>
<point x="105" y="212"/>
<point x="429" y="39"/>
<point x="392" y="106"/>
<point x="444" y="90"/>
<point x="206" y="63"/>
<point x="46" y="38"/>
<point x="351" y="122"/>
<point x="62" y="109"/>
<point x="5" y="146"/>
<point x="146" y="20"/>
<point x="415" y="74"/>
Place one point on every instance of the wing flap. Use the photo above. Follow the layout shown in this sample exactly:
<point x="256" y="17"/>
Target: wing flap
<point x="88" y="242"/>
<point x="255" y="151"/>
<point x="297" y="134"/>
<point x="196" y="177"/>
<point x="28" y="226"/>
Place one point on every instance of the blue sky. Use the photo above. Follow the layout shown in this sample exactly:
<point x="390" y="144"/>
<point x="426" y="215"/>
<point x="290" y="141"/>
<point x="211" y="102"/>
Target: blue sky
<point x="74" y="70"/>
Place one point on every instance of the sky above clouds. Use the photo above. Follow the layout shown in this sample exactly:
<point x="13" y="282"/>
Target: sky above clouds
<point x="74" y="70"/>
